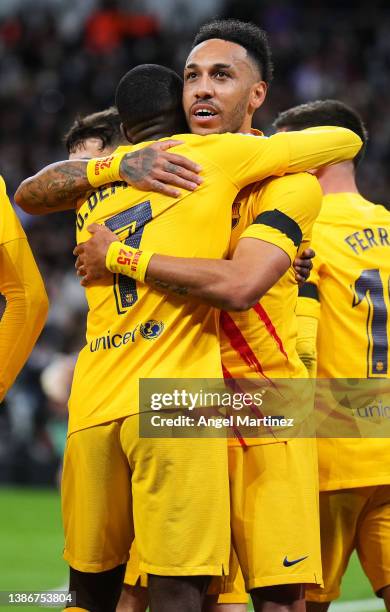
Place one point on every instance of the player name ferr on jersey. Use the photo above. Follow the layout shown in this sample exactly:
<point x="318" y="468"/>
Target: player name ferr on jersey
<point x="367" y="238"/>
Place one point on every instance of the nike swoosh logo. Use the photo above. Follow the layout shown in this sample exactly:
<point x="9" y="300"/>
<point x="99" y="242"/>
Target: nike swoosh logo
<point x="288" y="563"/>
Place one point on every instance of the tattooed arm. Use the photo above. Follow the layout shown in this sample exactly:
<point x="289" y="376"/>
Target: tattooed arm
<point x="61" y="185"/>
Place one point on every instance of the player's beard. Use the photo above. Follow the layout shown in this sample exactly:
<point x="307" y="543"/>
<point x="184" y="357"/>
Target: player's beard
<point x="233" y="121"/>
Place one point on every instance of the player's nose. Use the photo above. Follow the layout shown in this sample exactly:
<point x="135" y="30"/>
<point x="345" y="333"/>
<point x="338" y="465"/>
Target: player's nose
<point x="204" y="89"/>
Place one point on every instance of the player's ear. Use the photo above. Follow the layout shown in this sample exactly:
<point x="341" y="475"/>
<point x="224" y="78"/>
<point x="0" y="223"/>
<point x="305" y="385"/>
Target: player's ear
<point x="125" y="132"/>
<point x="257" y="94"/>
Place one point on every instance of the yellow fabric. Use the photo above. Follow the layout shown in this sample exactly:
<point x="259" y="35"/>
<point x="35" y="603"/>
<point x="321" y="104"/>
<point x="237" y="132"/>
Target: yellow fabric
<point x="133" y="573"/>
<point x="134" y="576"/>
<point x="116" y="484"/>
<point x="351" y="236"/>
<point x="237" y="594"/>
<point x="354" y="519"/>
<point x="267" y="334"/>
<point x="103" y="170"/>
<point x="22" y="286"/>
<point x="306" y="342"/>
<point x="286" y="475"/>
<point x="132" y="328"/>
<point x="125" y="260"/>
<point x="309" y="307"/>
<point x="338" y="149"/>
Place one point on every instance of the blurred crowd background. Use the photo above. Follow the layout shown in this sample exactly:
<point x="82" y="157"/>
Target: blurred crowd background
<point x="60" y="58"/>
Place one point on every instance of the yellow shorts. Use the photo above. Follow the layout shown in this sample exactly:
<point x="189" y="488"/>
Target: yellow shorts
<point x="351" y="519"/>
<point x="275" y="519"/>
<point x="173" y="494"/>
<point x="237" y="593"/>
<point x="275" y="513"/>
<point x="134" y="576"/>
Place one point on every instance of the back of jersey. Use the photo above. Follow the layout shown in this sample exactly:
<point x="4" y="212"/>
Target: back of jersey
<point x="352" y="243"/>
<point x="134" y="331"/>
<point x="351" y="281"/>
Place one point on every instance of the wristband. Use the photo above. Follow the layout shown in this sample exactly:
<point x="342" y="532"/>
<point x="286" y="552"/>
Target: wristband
<point x="103" y="170"/>
<point x="123" y="259"/>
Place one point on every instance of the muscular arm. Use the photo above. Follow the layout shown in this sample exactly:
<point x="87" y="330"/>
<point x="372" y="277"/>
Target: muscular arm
<point x="61" y="185"/>
<point x="25" y="312"/>
<point x="235" y="284"/>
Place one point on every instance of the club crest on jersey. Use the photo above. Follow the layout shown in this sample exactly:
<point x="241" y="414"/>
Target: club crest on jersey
<point x="235" y="214"/>
<point x="151" y="329"/>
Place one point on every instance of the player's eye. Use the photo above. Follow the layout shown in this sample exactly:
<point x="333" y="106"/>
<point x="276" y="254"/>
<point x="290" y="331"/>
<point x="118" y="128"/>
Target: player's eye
<point x="221" y="74"/>
<point x="190" y="76"/>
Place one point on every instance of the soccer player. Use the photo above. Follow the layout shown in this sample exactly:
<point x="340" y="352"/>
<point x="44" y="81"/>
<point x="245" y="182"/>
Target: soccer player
<point x="94" y="135"/>
<point x="345" y="328"/>
<point x="95" y="409"/>
<point x="26" y="300"/>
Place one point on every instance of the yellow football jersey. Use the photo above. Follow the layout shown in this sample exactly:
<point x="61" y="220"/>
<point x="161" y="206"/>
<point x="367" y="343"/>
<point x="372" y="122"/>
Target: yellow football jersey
<point x="349" y="293"/>
<point x="261" y="342"/>
<point x="22" y="286"/>
<point x="10" y="226"/>
<point x="135" y="332"/>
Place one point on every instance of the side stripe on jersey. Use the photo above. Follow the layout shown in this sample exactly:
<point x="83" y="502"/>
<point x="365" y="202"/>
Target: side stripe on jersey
<point x="235" y="387"/>
<point x="258" y="308"/>
<point x="239" y="343"/>
<point x="309" y="290"/>
<point x="282" y="222"/>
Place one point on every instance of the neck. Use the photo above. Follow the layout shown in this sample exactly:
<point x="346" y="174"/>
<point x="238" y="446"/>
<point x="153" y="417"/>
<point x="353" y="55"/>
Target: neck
<point x="246" y="125"/>
<point x="339" y="178"/>
<point x="161" y="126"/>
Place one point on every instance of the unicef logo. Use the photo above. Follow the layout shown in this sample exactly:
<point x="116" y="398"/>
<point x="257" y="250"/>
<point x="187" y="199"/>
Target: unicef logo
<point x="151" y="329"/>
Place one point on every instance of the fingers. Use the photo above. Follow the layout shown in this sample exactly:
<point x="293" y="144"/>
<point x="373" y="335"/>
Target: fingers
<point x="160" y="187"/>
<point x="78" y="249"/>
<point x="303" y="264"/>
<point x="95" y="227"/>
<point x="308" y="254"/>
<point x="177" y="170"/>
<point x="167" y="144"/>
<point x="174" y="180"/>
<point x="184" y="162"/>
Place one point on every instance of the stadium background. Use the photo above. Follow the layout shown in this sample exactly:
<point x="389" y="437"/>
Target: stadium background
<point x="60" y="58"/>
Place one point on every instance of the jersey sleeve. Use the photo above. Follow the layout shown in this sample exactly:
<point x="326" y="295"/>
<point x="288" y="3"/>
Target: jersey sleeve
<point x="25" y="311"/>
<point x="10" y="226"/>
<point x="246" y="158"/>
<point x="320" y="146"/>
<point x="308" y="304"/>
<point x="284" y="211"/>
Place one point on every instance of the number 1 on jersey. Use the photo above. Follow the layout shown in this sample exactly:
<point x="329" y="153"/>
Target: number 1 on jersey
<point x="369" y="287"/>
<point x="128" y="225"/>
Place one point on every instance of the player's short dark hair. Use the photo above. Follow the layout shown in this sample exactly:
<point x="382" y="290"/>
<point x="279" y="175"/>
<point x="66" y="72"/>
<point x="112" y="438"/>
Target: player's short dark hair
<point x="104" y="125"/>
<point x="324" y="112"/>
<point x="148" y="91"/>
<point x="246" y="34"/>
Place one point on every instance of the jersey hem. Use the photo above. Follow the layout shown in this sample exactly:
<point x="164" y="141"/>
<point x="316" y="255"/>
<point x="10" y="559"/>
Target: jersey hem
<point x="94" y="568"/>
<point x="180" y="570"/>
<point x="337" y="485"/>
<point x="309" y="579"/>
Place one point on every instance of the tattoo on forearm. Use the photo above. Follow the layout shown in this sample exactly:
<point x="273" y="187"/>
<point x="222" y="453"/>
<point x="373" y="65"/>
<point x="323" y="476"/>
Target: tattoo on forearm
<point x="154" y="282"/>
<point x="65" y="182"/>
